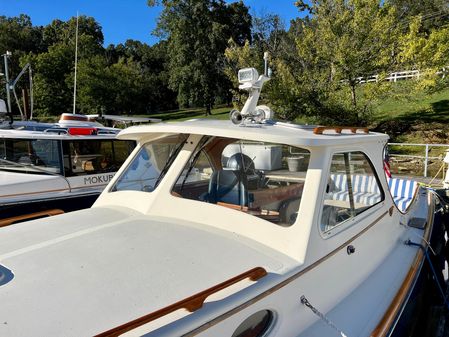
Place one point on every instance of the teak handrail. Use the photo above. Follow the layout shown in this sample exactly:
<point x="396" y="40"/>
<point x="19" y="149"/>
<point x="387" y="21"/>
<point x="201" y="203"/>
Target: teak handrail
<point x="191" y="303"/>
<point x="338" y="129"/>
<point x="14" y="219"/>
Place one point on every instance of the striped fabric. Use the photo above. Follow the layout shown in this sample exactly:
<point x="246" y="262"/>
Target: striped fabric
<point x="365" y="188"/>
<point x="402" y="191"/>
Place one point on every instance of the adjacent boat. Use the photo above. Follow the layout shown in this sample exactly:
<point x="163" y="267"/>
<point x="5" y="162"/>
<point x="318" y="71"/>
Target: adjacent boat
<point x="211" y="228"/>
<point x="63" y="166"/>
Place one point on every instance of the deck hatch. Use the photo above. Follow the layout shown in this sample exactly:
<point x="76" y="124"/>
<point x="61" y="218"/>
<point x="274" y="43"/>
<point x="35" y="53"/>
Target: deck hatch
<point x="6" y="275"/>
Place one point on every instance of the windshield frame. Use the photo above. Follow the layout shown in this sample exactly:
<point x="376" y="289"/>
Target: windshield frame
<point x="144" y="166"/>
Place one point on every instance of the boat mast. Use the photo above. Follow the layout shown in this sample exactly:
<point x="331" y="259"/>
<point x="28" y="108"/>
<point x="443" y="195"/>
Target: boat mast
<point x="8" y="94"/>
<point x="76" y="64"/>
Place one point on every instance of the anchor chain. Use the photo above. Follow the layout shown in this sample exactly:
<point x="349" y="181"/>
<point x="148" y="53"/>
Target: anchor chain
<point x="321" y="316"/>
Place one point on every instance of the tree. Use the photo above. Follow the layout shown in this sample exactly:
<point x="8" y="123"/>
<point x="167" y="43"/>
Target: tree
<point x="343" y="41"/>
<point x="197" y="32"/>
<point x="18" y="36"/>
<point x="54" y="65"/>
<point x="426" y="51"/>
<point x="52" y="69"/>
<point x="434" y="13"/>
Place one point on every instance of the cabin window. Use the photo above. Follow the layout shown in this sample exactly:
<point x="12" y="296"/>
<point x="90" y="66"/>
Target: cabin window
<point x="352" y="188"/>
<point x="37" y="156"/>
<point x="150" y="164"/>
<point x="255" y="325"/>
<point x="82" y="157"/>
<point x="262" y="179"/>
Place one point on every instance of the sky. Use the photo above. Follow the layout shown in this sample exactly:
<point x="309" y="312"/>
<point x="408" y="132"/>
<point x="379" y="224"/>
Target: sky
<point x="122" y="19"/>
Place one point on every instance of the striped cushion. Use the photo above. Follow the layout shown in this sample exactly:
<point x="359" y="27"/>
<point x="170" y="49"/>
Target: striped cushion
<point x="402" y="191"/>
<point x="364" y="187"/>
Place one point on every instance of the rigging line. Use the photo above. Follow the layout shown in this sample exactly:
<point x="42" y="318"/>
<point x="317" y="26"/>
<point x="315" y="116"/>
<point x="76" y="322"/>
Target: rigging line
<point x="432" y="268"/>
<point x="426" y="241"/>
<point x="436" y="174"/>
<point x="321" y="315"/>
<point x="76" y="64"/>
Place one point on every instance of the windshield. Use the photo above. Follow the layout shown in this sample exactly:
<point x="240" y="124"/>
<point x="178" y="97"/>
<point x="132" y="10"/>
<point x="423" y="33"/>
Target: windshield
<point x="30" y="155"/>
<point x="150" y="164"/>
<point x="262" y="179"/>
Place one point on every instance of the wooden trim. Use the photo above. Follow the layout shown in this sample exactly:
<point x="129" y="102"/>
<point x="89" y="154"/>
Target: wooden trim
<point x="41" y="214"/>
<point x="191" y="303"/>
<point x="338" y="129"/>
<point x="400" y="299"/>
<point x="390" y="315"/>
<point x="280" y="285"/>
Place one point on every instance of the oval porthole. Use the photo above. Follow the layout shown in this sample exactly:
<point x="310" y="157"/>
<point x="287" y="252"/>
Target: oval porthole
<point x="255" y="325"/>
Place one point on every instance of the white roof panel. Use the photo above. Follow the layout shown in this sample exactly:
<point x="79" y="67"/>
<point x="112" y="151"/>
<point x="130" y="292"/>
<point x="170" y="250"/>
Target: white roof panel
<point x="278" y="132"/>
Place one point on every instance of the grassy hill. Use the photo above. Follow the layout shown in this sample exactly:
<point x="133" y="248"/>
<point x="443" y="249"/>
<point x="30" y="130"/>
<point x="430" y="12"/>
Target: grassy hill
<point x="421" y="118"/>
<point x="418" y="119"/>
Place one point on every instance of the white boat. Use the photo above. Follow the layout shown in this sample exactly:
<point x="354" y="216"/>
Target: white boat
<point x="206" y="231"/>
<point x="63" y="166"/>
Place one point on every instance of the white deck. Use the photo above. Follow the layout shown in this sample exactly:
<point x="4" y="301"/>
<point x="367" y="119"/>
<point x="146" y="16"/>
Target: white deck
<point x="116" y="269"/>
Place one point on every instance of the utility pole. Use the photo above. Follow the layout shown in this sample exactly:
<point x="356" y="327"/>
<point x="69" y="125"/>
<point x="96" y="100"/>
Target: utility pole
<point x="8" y="94"/>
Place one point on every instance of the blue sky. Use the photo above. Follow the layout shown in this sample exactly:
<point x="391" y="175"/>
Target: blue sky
<point x="122" y="19"/>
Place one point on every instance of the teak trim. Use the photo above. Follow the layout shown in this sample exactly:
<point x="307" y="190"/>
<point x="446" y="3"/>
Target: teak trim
<point x="400" y="299"/>
<point x="283" y="283"/>
<point x="11" y="220"/>
<point x="191" y="303"/>
<point x="320" y="129"/>
<point x="390" y="315"/>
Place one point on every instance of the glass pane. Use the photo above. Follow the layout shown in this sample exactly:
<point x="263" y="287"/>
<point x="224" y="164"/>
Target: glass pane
<point x="83" y="157"/>
<point x="352" y="188"/>
<point x="33" y="156"/>
<point x="261" y="179"/>
<point x="255" y="325"/>
<point x="150" y="164"/>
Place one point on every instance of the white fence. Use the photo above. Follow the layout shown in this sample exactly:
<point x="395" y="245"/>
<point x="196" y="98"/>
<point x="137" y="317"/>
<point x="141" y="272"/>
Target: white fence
<point x="400" y="75"/>
<point x="426" y="158"/>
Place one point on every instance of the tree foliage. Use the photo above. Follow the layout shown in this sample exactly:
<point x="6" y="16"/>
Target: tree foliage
<point x="127" y="78"/>
<point x="319" y="64"/>
<point x="197" y="32"/>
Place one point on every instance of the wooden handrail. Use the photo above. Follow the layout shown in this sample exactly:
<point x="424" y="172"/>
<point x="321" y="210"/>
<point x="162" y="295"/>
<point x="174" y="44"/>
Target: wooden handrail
<point x="400" y="299"/>
<point x="191" y="303"/>
<point x="14" y="219"/>
<point x="393" y="310"/>
<point x="338" y="129"/>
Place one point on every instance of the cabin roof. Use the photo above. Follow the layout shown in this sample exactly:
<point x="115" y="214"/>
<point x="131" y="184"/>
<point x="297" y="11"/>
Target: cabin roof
<point x="276" y="132"/>
<point x="27" y="134"/>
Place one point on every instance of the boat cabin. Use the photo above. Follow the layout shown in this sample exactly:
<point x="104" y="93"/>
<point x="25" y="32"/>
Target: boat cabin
<point x="249" y="228"/>
<point x="42" y="169"/>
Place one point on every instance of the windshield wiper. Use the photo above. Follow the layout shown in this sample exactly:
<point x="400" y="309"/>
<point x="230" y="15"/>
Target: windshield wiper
<point x="170" y="160"/>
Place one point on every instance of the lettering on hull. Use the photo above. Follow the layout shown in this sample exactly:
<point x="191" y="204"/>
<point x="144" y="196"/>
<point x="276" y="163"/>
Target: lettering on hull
<point x="95" y="180"/>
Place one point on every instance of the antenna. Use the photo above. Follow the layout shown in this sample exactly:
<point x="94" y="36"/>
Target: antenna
<point x="76" y="64"/>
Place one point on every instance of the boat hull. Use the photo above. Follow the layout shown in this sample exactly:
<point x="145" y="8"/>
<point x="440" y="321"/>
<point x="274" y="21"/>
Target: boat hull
<point x="66" y="204"/>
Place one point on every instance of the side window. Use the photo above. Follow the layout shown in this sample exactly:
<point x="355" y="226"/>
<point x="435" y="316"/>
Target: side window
<point x="83" y="157"/>
<point x="37" y="155"/>
<point x="352" y="188"/>
<point x="262" y="179"/>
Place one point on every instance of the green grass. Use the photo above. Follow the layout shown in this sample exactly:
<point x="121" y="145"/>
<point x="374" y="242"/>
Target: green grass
<point x="422" y="108"/>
